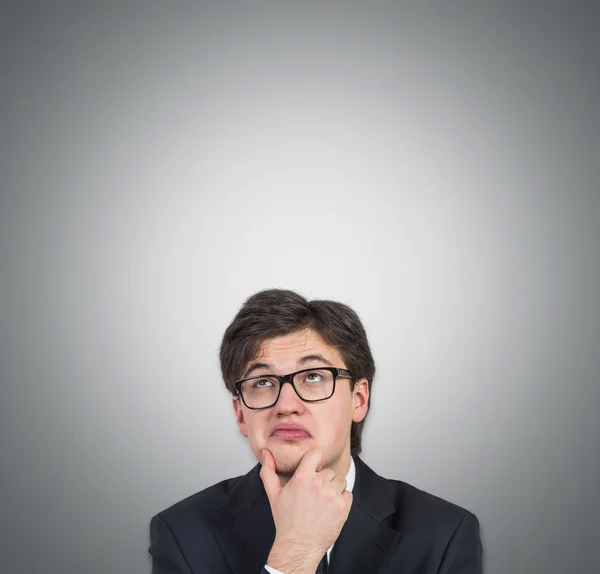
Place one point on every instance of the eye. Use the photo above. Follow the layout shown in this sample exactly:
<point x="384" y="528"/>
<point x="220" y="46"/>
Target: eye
<point x="313" y="377"/>
<point x="262" y="383"/>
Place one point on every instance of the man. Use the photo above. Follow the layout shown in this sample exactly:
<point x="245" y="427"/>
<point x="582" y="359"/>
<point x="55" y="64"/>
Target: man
<point x="311" y="505"/>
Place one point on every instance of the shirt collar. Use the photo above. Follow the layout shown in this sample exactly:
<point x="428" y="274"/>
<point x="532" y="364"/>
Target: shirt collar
<point x="351" y="476"/>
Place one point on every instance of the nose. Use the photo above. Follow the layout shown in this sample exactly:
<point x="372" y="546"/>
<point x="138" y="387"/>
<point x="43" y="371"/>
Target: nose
<point x="289" y="401"/>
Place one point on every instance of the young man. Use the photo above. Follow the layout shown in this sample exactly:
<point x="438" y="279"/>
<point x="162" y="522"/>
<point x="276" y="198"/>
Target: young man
<point x="311" y="504"/>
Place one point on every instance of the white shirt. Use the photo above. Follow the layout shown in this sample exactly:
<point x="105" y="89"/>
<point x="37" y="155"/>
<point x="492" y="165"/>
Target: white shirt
<point x="350" y="477"/>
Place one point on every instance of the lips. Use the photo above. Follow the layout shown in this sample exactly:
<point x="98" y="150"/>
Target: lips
<point x="289" y="431"/>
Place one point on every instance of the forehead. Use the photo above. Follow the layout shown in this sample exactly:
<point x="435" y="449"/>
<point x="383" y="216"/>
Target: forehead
<point x="292" y="347"/>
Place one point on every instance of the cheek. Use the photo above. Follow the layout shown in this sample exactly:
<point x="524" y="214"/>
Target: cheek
<point x="256" y="426"/>
<point x="337" y="419"/>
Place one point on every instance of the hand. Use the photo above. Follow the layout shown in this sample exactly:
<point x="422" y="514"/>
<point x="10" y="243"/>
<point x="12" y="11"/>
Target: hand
<point x="309" y="512"/>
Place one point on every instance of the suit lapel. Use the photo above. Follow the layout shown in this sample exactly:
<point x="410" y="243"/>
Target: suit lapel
<point x="366" y="542"/>
<point x="247" y="540"/>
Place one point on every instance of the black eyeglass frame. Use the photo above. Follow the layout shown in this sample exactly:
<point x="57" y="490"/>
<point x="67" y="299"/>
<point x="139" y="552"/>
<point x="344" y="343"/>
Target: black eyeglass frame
<point x="335" y="371"/>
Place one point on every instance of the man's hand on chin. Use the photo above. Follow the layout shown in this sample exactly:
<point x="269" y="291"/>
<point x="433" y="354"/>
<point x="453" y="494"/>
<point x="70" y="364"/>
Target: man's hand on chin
<point x="309" y="512"/>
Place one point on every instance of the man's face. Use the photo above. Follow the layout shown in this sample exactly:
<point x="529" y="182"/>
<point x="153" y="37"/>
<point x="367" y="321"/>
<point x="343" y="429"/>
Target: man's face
<point x="327" y="422"/>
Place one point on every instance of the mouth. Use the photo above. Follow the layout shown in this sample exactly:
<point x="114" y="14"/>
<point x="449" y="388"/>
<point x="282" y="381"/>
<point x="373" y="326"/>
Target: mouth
<point x="290" y="432"/>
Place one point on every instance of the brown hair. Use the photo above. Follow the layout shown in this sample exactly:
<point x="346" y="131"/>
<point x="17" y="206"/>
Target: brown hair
<point x="277" y="312"/>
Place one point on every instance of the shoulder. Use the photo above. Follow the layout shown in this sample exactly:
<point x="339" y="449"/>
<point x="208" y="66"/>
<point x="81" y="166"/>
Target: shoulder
<point x="432" y="531"/>
<point x="185" y="533"/>
<point x="419" y="505"/>
<point x="416" y="510"/>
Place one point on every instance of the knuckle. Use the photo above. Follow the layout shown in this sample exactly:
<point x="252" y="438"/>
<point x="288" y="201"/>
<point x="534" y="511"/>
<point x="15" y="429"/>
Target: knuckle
<point x="329" y="493"/>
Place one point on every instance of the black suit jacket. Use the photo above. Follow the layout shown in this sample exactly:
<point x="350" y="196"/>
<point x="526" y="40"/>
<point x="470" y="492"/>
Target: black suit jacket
<point x="392" y="528"/>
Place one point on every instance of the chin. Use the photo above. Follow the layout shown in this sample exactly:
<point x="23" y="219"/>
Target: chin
<point x="287" y="457"/>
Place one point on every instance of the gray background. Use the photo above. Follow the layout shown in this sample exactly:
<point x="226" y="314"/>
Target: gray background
<point x="435" y="166"/>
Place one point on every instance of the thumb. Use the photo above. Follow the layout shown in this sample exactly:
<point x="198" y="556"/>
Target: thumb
<point x="268" y="475"/>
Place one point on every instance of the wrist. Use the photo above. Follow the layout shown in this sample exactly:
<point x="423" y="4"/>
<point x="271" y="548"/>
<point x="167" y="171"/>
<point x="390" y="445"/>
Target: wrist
<point x="292" y="557"/>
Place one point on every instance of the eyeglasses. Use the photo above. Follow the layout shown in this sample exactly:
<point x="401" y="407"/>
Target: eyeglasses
<point x="311" y="385"/>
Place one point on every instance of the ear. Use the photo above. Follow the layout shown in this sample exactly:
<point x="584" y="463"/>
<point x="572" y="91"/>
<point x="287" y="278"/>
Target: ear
<point x="239" y="415"/>
<point x="360" y="398"/>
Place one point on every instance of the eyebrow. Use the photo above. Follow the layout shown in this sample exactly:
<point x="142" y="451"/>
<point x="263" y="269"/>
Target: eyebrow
<point x="256" y="367"/>
<point x="306" y="359"/>
<point x="314" y="358"/>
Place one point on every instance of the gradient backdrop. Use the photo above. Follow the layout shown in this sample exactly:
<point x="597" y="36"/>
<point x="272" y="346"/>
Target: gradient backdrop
<point x="435" y="166"/>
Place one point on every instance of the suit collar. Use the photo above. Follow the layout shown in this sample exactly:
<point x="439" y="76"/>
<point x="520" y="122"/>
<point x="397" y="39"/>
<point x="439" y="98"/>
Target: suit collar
<point x="246" y="540"/>
<point x="366" y="541"/>
<point x="245" y="493"/>
<point x="364" y="544"/>
<point x="372" y="492"/>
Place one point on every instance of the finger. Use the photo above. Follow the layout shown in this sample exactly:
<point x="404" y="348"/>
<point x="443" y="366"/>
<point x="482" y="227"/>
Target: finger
<point x="347" y="496"/>
<point x="269" y="476"/>
<point x="339" y="484"/>
<point x="268" y="460"/>
<point x="327" y="474"/>
<point x="311" y="462"/>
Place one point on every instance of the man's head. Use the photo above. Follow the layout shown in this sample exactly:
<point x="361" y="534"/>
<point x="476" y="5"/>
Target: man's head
<point x="279" y="332"/>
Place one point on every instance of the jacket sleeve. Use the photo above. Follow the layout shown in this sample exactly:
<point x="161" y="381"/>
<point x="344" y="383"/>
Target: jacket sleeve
<point x="464" y="552"/>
